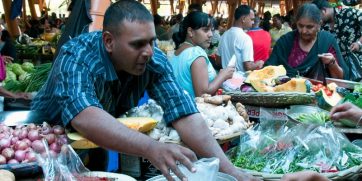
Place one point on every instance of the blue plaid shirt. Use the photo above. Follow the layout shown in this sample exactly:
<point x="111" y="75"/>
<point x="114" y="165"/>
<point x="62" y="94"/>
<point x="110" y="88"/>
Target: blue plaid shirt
<point x="83" y="76"/>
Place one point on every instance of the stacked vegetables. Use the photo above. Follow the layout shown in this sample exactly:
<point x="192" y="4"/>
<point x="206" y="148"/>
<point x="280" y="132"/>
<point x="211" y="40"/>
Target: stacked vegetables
<point x="19" y="144"/>
<point x="26" y="77"/>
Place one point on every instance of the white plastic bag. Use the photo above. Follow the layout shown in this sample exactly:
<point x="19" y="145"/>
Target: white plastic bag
<point x="206" y="169"/>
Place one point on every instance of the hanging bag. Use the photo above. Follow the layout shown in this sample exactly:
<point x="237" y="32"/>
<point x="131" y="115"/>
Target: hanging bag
<point x="355" y="70"/>
<point x="2" y="69"/>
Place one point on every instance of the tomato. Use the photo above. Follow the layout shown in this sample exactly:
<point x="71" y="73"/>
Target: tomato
<point x="328" y="92"/>
<point x="315" y="88"/>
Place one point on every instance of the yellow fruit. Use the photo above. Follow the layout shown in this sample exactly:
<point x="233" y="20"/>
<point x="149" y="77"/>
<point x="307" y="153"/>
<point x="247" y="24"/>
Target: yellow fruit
<point x="79" y="142"/>
<point x="141" y="124"/>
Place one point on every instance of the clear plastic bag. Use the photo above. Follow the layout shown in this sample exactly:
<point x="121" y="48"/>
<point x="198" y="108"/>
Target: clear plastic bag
<point x="66" y="166"/>
<point x="206" y="169"/>
<point x="291" y="148"/>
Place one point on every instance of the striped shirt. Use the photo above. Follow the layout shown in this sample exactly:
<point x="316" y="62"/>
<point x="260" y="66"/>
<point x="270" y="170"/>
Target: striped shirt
<point x="83" y="75"/>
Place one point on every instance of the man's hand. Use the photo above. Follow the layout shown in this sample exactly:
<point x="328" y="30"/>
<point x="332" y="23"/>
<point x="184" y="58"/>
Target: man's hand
<point x="304" y="176"/>
<point x="346" y="111"/>
<point x="23" y="95"/>
<point x="165" y="157"/>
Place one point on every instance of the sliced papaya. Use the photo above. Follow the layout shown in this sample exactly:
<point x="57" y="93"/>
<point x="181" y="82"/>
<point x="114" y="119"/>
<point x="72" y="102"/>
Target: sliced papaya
<point x="268" y="74"/>
<point x="79" y="142"/>
<point x="141" y="124"/>
<point x="294" y="85"/>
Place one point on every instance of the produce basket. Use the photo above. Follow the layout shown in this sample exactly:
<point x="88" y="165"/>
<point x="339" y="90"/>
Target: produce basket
<point x="272" y="99"/>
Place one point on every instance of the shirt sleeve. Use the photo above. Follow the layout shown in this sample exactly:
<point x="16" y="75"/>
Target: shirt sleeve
<point x="74" y="90"/>
<point x="176" y="103"/>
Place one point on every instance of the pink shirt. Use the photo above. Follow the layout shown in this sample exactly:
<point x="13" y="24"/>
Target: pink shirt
<point x="297" y="55"/>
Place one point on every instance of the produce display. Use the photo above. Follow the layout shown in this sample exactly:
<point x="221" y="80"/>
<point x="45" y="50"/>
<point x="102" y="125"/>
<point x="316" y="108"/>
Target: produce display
<point x="222" y="117"/>
<point x="20" y="144"/>
<point x="26" y="77"/>
<point x="274" y="79"/>
<point x="314" y="118"/>
<point x="296" y="148"/>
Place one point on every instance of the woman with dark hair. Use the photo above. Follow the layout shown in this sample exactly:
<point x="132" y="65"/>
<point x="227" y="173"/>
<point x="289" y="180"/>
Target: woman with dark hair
<point x="307" y="51"/>
<point x="192" y="68"/>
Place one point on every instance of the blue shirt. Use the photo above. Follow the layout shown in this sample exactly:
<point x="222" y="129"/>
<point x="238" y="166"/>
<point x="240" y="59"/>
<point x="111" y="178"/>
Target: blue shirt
<point x="181" y="65"/>
<point x="83" y="76"/>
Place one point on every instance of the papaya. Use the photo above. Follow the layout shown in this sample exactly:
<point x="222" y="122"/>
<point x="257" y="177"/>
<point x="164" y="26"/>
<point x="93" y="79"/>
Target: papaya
<point x="141" y="124"/>
<point x="268" y="74"/>
<point x="327" y="102"/>
<point x="294" y="85"/>
<point x="79" y="142"/>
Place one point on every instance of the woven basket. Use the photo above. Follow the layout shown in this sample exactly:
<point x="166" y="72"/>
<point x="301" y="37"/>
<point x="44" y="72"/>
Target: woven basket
<point x="272" y="99"/>
<point x="353" y="173"/>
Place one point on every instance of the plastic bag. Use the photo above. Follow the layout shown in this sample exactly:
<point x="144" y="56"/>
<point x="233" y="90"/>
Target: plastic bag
<point x="235" y="82"/>
<point x="206" y="169"/>
<point x="291" y="148"/>
<point x="66" y="166"/>
<point x="355" y="70"/>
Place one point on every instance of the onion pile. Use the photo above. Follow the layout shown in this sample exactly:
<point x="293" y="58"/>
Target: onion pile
<point x="20" y="144"/>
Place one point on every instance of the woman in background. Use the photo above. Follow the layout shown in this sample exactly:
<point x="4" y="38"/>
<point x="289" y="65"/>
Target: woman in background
<point x="191" y="66"/>
<point x="307" y="51"/>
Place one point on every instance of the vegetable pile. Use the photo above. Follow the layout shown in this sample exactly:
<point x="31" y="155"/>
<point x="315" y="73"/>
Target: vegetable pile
<point x="20" y="144"/>
<point x="314" y="118"/>
<point x="301" y="147"/>
<point x="26" y="77"/>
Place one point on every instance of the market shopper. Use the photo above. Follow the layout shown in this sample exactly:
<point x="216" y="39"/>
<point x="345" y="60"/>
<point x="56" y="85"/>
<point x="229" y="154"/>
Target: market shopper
<point x="279" y="28"/>
<point x="191" y="65"/>
<point x="307" y="51"/>
<point x="345" y="24"/>
<point x="100" y="75"/>
<point x="236" y="42"/>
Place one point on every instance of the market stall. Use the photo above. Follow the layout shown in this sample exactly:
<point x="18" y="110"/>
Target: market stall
<point x="292" y="116"/>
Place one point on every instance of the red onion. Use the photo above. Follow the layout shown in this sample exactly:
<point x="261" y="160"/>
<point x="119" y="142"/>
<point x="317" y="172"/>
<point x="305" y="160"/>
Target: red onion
<point x="55" y="147"/>
<point x="2" y="160"/>
<point x="4" y="143"/>
<point x="25" y="161"/>
<point x="16" y="132"/>
<point x="31" y="156"/>
<point x="50" y="138"/>
<point x="31" y="126"/>
<point x="14" y="140"/>
<point x="37" y="146"/>
<point x="46" y="129"/>
<point x="58" y="130"/>
<point x="62" y="139"/>
<point x="8" y="153"/>
<point x="27" y="141"/>
<point x="23" y="134"/>
<point x="19" y="155"/>
<point x="13" y="161"/>
<point x="33" y="135"/>
<point x="4" y="128"/>
<point x="51" y="153"/>
<point x="4" y="135"/>
<point x="21" y="145"/>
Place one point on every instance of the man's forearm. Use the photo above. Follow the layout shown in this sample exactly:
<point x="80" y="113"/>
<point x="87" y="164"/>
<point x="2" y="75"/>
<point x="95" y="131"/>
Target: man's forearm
<point x="104" y="130"/>
<point x="197" y="136"/>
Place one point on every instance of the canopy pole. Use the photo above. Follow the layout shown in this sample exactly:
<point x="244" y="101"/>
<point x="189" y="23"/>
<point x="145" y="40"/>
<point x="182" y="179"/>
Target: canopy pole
<point x="232" y="6"/>
<point x="97" y="10"/>
<point x="12" y="25"/>
<point x="154" y="7"/>
<point x="32" y="9"/>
